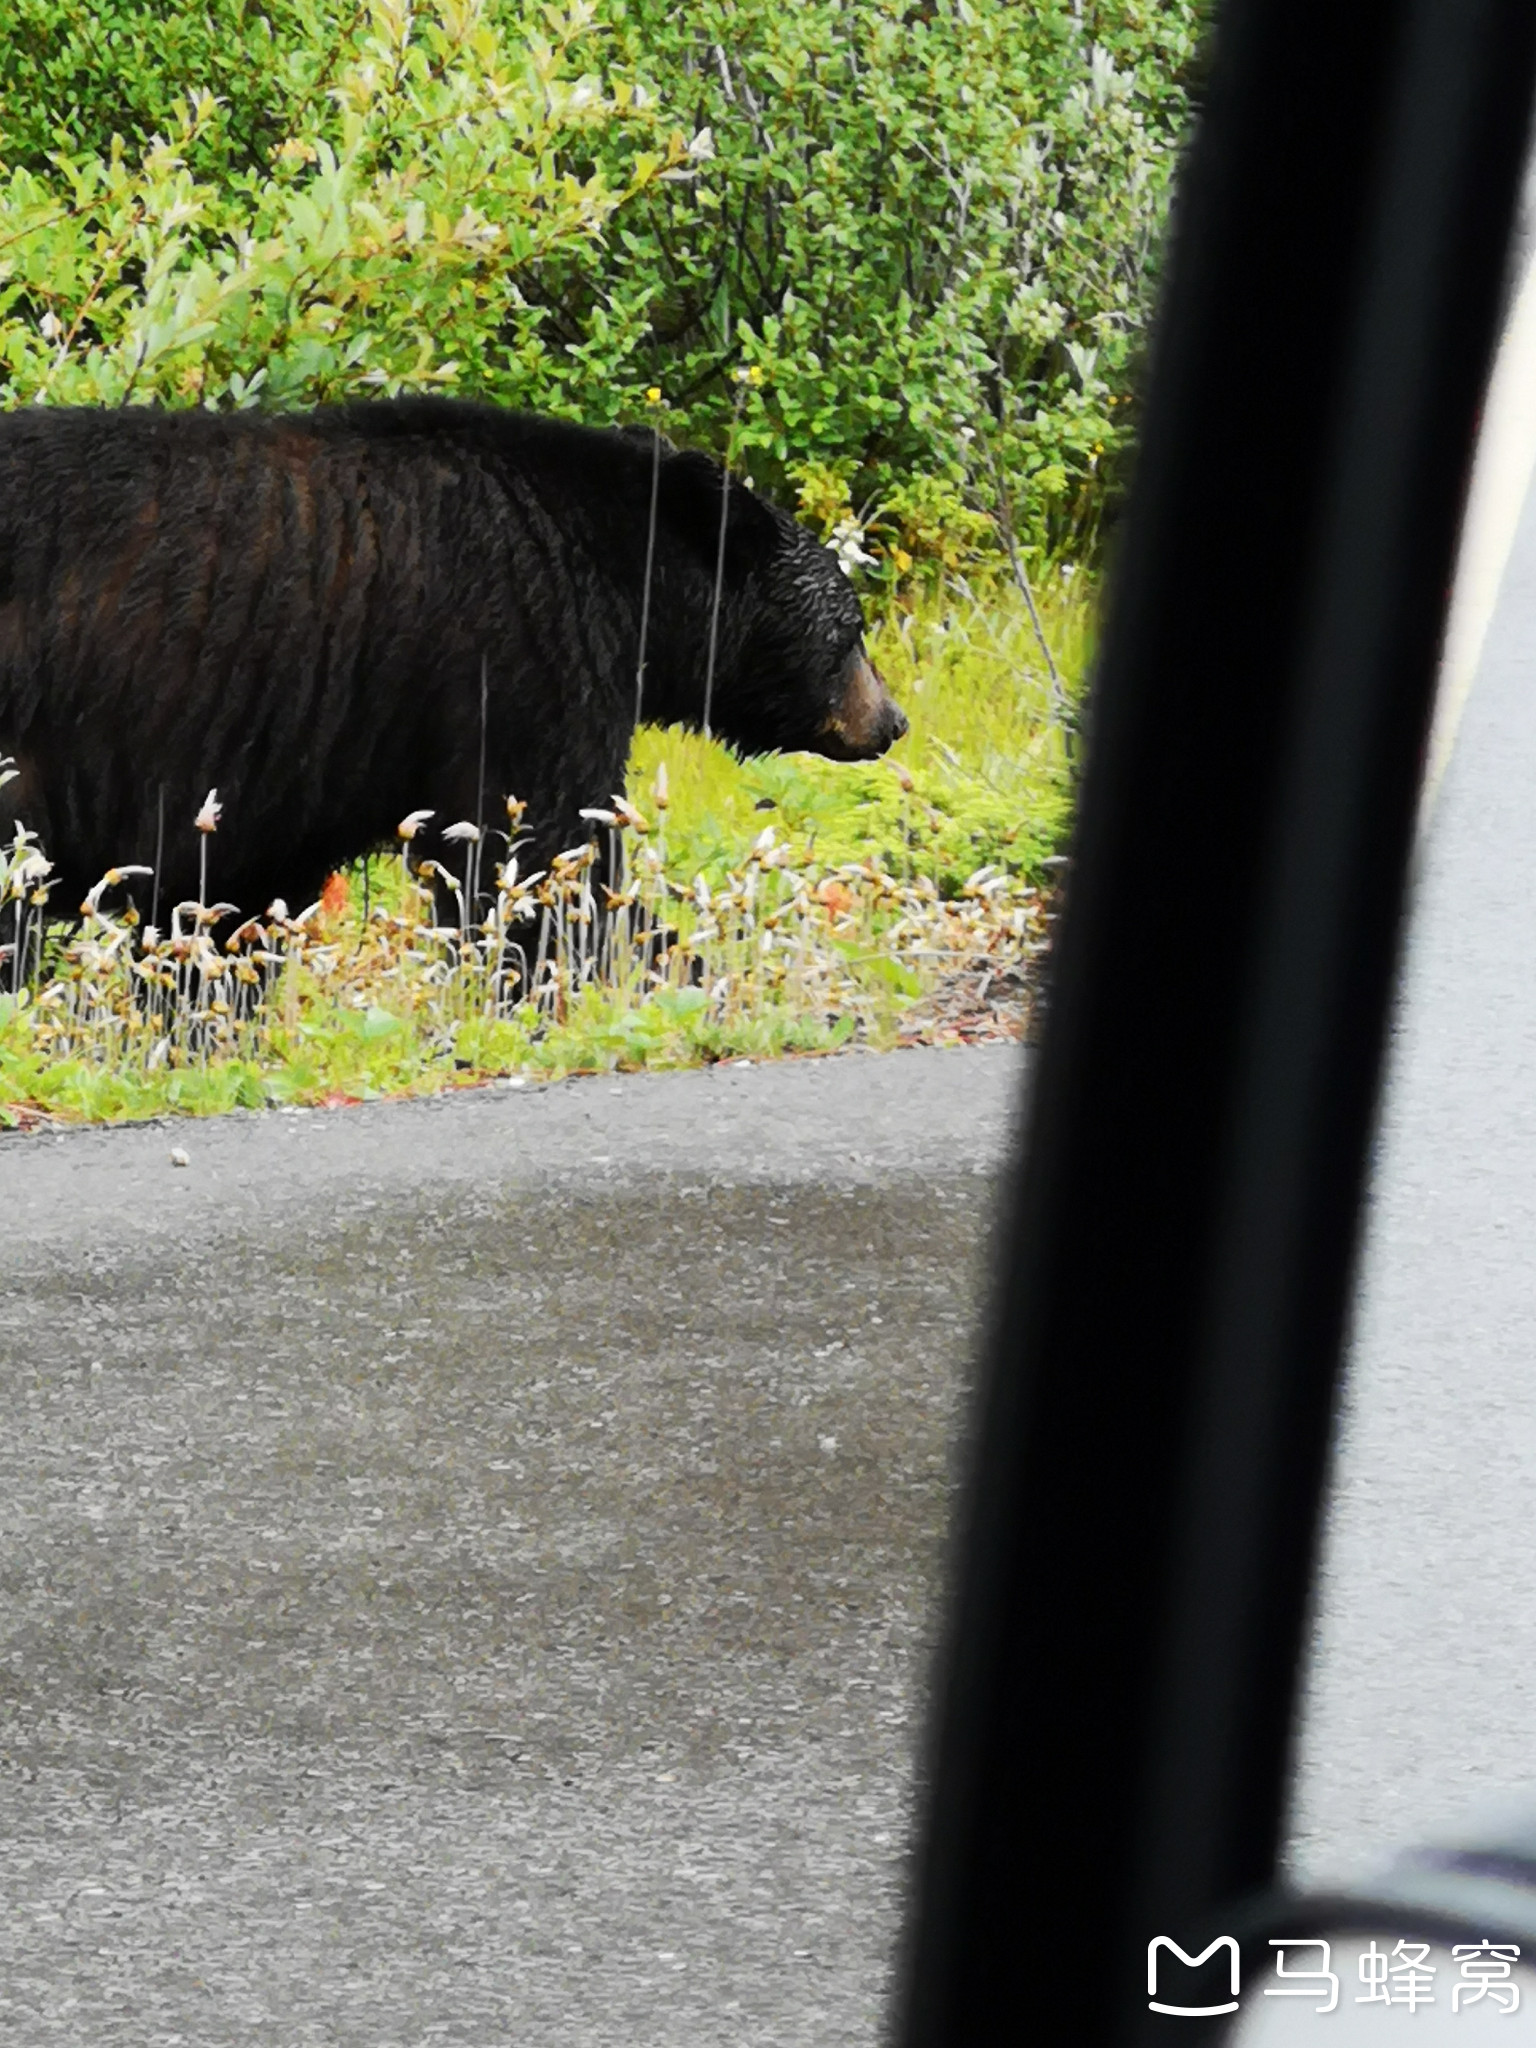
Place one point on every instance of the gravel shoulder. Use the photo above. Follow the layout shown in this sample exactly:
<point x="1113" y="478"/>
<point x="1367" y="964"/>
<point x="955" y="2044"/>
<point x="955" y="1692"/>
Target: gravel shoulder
<point x="468" y="1565"/>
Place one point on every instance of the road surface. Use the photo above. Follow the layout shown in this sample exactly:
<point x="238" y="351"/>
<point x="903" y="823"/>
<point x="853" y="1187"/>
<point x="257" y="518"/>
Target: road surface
<point x="468" y="1566"/>
<point x="1423" y="1696"/>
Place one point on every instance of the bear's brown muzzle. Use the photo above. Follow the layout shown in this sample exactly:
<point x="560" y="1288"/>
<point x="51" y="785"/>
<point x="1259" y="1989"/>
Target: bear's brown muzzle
<point x="867" y="719"/>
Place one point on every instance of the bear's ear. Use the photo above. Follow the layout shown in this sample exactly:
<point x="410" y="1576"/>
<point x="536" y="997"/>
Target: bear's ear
<point x="689" y="503"/>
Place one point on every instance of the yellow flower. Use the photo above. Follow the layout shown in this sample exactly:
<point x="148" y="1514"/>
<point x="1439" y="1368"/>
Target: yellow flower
<point x="653" y="395"/>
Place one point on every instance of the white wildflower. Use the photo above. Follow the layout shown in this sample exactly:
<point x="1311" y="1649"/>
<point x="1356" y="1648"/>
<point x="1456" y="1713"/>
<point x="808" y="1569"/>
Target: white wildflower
<point x="847" y="543"/>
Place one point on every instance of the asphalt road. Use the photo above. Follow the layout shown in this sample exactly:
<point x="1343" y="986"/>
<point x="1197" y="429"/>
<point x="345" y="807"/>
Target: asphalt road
<point x="1423" y="1695"/>
<point x="468" y="1566"/>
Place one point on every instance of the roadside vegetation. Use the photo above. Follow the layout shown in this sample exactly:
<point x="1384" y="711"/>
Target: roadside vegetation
<point x="746" y="909"/>
<point x="892" y="259"/>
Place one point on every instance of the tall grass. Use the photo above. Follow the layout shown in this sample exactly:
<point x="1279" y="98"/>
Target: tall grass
<point x="737" y="908"/>
<point x="984" y="777"/>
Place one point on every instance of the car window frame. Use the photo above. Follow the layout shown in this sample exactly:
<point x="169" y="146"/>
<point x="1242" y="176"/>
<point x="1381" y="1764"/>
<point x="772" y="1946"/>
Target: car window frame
<point x="1114" y="1697"/>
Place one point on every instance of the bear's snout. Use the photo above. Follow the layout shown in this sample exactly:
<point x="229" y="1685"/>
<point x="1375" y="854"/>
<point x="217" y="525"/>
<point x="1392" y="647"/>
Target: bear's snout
<point x="867" y="719"/>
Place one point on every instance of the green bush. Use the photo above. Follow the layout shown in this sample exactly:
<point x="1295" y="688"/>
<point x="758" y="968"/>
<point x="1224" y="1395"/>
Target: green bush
<point x="381" y="248"/>
<point x="922" y="223"/>
<point x="71" y="77"/>
<point x="902" y="249"/>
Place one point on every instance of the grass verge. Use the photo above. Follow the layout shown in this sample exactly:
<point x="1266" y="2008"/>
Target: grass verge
<point x="744" y="910"/>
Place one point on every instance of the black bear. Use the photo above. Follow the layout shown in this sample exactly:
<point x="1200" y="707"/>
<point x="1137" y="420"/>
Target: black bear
<point x="303" y="610"/>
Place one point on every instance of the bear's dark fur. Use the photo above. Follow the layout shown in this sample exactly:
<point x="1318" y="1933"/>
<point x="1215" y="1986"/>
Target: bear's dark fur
<point x="296" y="608"/>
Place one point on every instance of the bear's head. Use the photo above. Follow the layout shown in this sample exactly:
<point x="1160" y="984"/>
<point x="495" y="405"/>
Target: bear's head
<point x="791" y="670"/>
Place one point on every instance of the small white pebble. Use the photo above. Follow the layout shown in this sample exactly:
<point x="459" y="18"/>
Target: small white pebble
<point x="828" y="1444"/>
<point x="179" y="1157"/>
